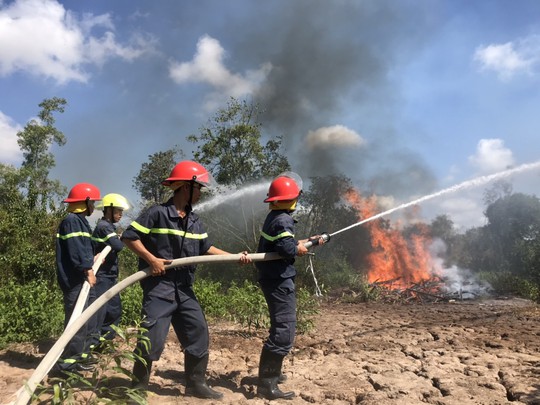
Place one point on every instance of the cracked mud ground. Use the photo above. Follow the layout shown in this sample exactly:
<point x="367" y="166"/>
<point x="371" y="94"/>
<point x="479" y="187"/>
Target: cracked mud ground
<point x="471" y="352"/>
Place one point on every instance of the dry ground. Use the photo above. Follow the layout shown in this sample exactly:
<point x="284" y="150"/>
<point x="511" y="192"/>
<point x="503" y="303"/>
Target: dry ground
<point x="470" y="352"/>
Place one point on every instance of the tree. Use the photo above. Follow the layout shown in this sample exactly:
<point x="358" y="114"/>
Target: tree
<point x="152" y="173"/>
<point x="514" y="227"/>
<point x="28" y="213"/>
<point x="35" y="141"/>
<point x="499" y="189"/>
<point x="230" y="146"/>
<point x="10" y="180"/>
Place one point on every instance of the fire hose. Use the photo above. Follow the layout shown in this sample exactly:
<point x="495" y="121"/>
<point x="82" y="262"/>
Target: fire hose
<point x="85" y="290"/>
<point x="26" y="392"/>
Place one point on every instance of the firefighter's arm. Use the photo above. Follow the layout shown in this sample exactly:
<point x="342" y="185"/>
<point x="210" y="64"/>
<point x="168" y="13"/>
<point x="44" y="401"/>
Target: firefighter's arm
<point x="156" y="264"/>
<point x="244" y="259"/>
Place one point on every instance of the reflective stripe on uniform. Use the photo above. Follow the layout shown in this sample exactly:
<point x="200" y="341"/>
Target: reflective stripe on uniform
<point x="73" y="235"/>
<point x="106" y="238"/>
<point x="279" y="236"/>
<point x="166" y="231"/>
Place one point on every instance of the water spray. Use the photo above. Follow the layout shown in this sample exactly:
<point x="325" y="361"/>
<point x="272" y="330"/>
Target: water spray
<point x="224" y="195"/>
<point x="461" y="186"/>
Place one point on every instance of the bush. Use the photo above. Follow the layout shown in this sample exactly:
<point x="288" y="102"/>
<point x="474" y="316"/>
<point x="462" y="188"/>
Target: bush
<point x="505" y="283"/>
<point x="247" y="306"/>
<point x="307" y="307"/>
<point x="30" y="312"/>
<point x="131" y="305"/>
<point x="212" y="298"/>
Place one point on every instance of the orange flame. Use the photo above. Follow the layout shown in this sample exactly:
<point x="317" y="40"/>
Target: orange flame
<point x="394" y="258"/>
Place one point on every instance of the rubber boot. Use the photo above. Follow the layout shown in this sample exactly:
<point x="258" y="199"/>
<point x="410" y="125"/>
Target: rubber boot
<point x="269" y="375"/>
<point x="141" y="372"/>
<point x="195" y="378"/>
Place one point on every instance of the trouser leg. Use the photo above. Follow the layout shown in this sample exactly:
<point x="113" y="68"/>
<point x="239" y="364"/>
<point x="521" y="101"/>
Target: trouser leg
<point x="156" y="314"/>
<point x="77" y="350"/>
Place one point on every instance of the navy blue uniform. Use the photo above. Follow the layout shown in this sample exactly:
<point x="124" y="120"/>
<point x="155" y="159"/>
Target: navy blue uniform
<point x="276" y="278"/>
<point x="107" y="276"/>
<point x="169" y="299"/>
<point x="74" y="255"/>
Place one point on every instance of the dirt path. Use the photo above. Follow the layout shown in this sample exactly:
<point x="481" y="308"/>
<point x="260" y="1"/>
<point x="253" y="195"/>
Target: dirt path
<point x="476" y="352"/>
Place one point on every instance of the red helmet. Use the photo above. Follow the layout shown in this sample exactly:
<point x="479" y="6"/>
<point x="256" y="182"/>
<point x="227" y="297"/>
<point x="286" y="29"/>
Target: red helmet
<point x="83" y="192"/>
<point x="283" y="188"/>
<point x="188" y="170"/>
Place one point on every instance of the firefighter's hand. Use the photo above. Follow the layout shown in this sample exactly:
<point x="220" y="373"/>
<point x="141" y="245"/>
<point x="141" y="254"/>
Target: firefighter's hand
<point x="91" y="277"/>
<point x="158" y="266"/>
<point x="102" y="260"/>
<point x="245" y="259"/>
<point x="317" y="240"/>
<point x="302" y="250"/>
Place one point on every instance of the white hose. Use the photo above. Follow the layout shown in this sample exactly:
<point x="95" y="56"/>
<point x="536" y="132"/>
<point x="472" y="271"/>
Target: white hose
<point x="26" y="392"/>
<point x="83" y="295"/>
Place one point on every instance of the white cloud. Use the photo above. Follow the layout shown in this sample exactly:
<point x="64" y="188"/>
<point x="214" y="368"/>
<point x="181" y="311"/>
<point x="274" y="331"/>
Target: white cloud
<point x="9" y="152"/>
<point x="336" y="135"/>
<point x="44" y="39"/>
<point x="207" y="66"/>
<point x="511" y="58"/>
<point x="491" y="156"/>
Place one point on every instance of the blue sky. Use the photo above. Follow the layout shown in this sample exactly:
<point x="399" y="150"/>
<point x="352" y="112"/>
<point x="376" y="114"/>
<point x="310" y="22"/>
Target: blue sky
<point x="404" y="97"/>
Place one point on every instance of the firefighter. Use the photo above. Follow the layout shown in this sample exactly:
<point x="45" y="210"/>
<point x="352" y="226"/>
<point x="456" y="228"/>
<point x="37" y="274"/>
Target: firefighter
<point x="74" y="260"/>
<point x="113" y="206"/>
<point x="162" y="233"/>
<point x="276" y="278"/>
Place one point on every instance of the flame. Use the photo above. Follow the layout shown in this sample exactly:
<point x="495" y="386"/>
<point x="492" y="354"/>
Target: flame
<point x="396" y="261"/>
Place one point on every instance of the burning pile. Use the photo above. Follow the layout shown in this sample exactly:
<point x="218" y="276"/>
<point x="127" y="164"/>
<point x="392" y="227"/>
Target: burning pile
<point x="397" y="263"/>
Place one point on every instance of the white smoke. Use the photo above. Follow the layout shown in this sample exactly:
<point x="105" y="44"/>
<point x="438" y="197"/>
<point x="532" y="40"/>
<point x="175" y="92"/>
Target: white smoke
<point x="457" y="281"/>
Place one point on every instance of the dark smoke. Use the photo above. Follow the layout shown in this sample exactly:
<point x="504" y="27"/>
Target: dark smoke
<point x="329" y="57"/>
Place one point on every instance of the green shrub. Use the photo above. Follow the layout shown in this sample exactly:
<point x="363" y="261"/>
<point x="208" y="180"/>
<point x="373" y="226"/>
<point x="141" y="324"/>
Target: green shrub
<point x="247" y="306"/>
<point x="211" y="297"/>
<point x="131" y="305"/>
<point x="505" y="283"/>
<point x="307" y="306"/>
<point x="30" y="312"/>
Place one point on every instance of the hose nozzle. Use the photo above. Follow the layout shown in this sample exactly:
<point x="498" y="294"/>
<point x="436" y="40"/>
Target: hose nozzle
<point x="315" y="240"/>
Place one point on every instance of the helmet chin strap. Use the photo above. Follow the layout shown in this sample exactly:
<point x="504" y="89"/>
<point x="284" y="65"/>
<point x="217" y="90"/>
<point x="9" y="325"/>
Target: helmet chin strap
<point x="189" y="206"/>
<point x="88" y="213"/>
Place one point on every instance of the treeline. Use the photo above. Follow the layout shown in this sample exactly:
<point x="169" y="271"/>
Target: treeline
<point x="505" y="251"/>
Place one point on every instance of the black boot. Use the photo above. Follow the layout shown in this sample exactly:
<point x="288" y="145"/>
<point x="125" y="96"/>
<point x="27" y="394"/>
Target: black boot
<point x="269" y="376"/>
<point x="195" y="378"/>
<point x="141" y="372"/>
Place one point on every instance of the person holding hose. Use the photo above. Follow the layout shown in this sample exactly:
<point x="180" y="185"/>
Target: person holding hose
<point x="113" y="206"/>
<point x="74" y="261"/>
<point x="276" y="278"/>
<point x="160" y="234"/>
